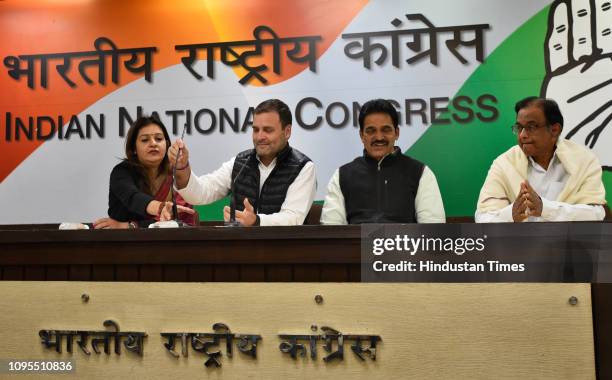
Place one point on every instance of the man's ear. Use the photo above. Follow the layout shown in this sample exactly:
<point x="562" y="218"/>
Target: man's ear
<point x="287" y="131"/>
<point x="555" y="129"/>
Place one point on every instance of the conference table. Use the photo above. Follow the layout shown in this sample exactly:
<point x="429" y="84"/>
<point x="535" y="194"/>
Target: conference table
<point x="213" y="253"/>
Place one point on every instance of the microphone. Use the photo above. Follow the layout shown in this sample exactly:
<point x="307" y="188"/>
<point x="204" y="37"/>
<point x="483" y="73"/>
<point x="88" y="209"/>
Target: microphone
<point x="232" y="221"/>
<point x="174" y="207"/>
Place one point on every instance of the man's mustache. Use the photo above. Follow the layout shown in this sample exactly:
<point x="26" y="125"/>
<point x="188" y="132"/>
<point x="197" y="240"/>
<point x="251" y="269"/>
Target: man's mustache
<point x="380" y="142"/>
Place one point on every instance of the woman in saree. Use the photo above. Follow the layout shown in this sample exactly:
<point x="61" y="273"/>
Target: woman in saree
<point x="140" y="185"/>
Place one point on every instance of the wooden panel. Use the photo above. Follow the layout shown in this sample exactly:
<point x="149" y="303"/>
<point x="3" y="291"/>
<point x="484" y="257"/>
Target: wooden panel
<point x="151" y="273"/>
<point x="176" y="273"/>
<point x="252" y="273"/>
<point x="79" y="272"/>
<point x="57" y="273"/>
<point x="334" y="273"/>
<point x="205" y="245"/>
<point x="602" y="310"/>
<point x="127" y="273"/>
<point x="307" y="273"/>
<point x="12" y="273"/>
<point x="279" y="273"/>
<point x="200" y="273"/>
<point x="226" y="273"/>
<point x="34" y="273"/>
<point x="433" y="331"/>
<point x="354" y="274"/>
<point x="103" y="273"/>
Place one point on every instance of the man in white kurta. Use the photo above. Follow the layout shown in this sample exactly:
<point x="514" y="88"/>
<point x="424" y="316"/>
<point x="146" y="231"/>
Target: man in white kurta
<point x="543" y="178"/>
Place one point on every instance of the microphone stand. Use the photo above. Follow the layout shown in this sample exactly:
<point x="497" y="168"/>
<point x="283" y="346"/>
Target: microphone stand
<point x="232" y="222"/>
<point x="174" y="207"/>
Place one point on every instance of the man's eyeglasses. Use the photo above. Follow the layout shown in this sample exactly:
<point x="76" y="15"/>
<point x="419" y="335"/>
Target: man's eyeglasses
<point x="518" y="128"/>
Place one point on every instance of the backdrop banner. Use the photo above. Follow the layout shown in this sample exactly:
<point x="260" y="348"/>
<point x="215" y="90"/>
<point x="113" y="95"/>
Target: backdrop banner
<point x="75" y="74"/>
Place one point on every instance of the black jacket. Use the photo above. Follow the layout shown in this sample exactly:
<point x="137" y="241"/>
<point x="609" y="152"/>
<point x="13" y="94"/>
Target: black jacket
<point x="289" y="163"/>
<point x="381" y="191"/>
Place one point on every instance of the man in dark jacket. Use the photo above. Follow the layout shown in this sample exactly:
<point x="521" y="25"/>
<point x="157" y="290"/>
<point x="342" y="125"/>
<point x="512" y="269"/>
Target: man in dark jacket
<point x="272" y="184"/>
<point x="383" y="185"/>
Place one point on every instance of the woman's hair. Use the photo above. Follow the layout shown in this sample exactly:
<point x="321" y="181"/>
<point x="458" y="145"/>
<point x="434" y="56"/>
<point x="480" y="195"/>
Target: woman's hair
<point x="130" y="148"/>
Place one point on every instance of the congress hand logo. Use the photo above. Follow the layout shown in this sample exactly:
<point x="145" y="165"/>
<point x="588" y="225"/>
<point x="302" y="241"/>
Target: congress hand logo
<point x="578" y="53"/>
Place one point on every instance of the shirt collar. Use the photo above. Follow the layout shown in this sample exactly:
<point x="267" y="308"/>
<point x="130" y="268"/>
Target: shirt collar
<point x="279" y="157"/>
<point x="396" y="151"/>
<point x="554" y="160"/>
<point x="272" y="163"/>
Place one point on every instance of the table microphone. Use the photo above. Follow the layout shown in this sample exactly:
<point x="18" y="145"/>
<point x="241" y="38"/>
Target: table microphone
<point x="232" y="220"/>
<point x="174" y="207"/>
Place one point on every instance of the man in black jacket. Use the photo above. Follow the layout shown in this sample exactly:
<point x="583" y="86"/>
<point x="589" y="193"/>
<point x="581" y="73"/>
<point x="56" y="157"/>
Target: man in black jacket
<point x="273" y="184"/>
<point x="383" y="185"/>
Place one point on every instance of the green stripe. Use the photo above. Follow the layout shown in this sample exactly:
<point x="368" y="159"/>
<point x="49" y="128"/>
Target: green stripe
<point x="461" y="154"/>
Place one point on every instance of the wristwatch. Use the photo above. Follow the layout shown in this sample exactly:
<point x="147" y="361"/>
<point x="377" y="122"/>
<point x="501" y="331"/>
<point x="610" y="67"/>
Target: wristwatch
<point x="257" y="220"/>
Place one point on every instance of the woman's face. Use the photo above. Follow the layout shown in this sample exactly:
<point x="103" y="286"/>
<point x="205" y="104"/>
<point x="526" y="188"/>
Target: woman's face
<point x="150" y="146"/>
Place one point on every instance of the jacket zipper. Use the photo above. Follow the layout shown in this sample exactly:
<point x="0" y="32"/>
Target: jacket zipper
<point x="379" y="185"/>
<point x="263" y="187"/>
